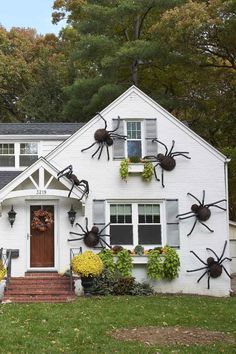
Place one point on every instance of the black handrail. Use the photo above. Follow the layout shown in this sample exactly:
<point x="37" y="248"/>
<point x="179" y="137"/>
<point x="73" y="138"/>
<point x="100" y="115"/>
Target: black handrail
<point x="73" y="252"/>
<point x="6" y="258"/>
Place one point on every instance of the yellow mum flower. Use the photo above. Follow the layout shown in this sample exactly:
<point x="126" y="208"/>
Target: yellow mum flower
<point x="87" y="264"/>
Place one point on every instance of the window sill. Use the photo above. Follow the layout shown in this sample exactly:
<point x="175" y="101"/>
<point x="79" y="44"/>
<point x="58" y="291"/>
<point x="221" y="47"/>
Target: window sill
<point x="135" y="167"/>
<point x="138" y="259"/>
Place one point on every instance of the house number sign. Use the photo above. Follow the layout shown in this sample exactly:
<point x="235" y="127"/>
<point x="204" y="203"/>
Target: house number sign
<point x="41" y="191"/>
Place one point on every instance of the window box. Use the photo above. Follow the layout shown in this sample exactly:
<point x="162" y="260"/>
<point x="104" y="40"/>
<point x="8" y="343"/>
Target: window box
<point x="137" y="259"/>
<point x="135" y="167"/>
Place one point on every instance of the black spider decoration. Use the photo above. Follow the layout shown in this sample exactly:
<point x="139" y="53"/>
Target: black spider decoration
<point x="167" y="161"/>
<point x="104" y="137"/>
<point x="213" y="267"/>
<point x="201" y="211"/>
<point x="93" y="237"/>
<point x="68" y="173"/>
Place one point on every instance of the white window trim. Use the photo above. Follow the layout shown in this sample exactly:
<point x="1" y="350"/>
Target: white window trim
<point x="135" y="223"/>
<point x="142" y="136"/>
<point x="17" y="155"/>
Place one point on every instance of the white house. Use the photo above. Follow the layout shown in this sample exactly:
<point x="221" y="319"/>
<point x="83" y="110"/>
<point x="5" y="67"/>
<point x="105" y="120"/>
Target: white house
<point x="139" y="212"/>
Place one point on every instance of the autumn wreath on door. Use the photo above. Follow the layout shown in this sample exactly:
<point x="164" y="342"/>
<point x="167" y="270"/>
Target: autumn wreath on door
<point x="42" y="220"/>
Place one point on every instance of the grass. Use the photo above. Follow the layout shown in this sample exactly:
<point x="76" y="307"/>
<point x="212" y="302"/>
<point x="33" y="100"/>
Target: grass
<point x="82" y="326"/>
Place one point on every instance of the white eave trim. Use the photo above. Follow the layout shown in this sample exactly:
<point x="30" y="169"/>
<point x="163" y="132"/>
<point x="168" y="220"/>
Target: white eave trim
<point x="31" y="137"/>
<point x="156" y="106"/>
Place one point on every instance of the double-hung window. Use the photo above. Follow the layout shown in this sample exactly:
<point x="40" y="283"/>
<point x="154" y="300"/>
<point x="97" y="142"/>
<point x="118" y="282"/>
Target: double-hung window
<point x="7" y="155"/>
<point x="134" y="139"/>
<point x="28" y="154"/>
<point x="136" y="223"/>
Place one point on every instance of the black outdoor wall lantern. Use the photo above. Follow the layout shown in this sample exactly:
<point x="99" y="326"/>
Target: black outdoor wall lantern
<point x="12" y="216"/>
<point x="71" y="215"/>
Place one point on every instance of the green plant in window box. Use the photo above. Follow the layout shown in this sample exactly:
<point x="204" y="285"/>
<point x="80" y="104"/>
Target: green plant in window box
<point x="171" y="263"/>
<point x="147" y="172"/>
<point x="154" y="265"/>
<point x="124" y="263"/>
<point x="134" y="159"/>
<point x="124" y="169"/>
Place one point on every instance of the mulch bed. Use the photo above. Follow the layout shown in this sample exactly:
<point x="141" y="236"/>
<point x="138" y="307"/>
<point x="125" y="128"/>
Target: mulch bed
<point x="169" y="336"/>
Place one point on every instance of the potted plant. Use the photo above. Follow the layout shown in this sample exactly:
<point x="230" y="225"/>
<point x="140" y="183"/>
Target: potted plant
<point x="87" y="265"/>
<point x="137" y="166"/>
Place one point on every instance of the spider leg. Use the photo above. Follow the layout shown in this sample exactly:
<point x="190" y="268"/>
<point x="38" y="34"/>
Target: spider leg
<point x="155" y="174"/>
<point x="180" y="154"/>
<point x="101" y="151"/>
<point x="118" y="124"/>
<point x="73" y="184"/>
<point x="187" y="217"/>
<point x="208" y="281"/>
<point x="101" y="240"/>
<point x="162" y="178"/>
<point x="194" y="224"/>
<point x="99" y="147"/>
<point x="195" y="270"/>
<point x="219" y="201"/>
<point x="189" y="212"/>
<point x="118" y="136"/>
<point x="226" y="258"/>
<point x="209" y="249"/>
<point x="223" y="251"/>
<point x="149" y="157"/>
<point x="85" y="184"/>
<point x="76" y="233"/>
<point x="103" y="228"/>
<point x="75" y="239"/>
<point x="203" y="197"/>
<point x="108" y="156"/>
<point x="206" y="226"/>
<point x="173" y="144"/>
<point x="158" y="141"/>
<point x="202" y="276"/>
<point x="226" y="272"/>
<point x="86" y="224"/>
<point x="89" y="146"/>
<point x="198" y="258"/>
<point x="103" y="120"/>
<point x="81" y="227"/>
<point x="63" y="173"/>
<point x="194" y="198"/>
<point x="216" y="206"/>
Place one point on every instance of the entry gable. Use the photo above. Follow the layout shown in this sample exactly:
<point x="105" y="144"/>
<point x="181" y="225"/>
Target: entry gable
<point x="40" y="179"/>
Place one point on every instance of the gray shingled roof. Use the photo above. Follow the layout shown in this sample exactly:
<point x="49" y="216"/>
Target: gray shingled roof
<point x="7" y="176"/>
<point x="39" y="128"/>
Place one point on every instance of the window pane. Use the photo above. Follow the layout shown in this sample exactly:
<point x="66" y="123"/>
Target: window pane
<point x="113" y="209"/>
<point x="121" y="219"/>
<point x="113" y="219"/>
<point x="141" y="219"/>
<point x="149" y="234"/>
<point x="121" y="234"/>
<point x="134" y="148"/>
<point x="128" y="210"/>
<point x="7" y="161"/>
<point x="149" y="219"/>
<point x="29" y="148"/>
<point x="7" y="149"/>
<point x="121" y="209"/>
<point x="120" y="213"/>
<point x="128" y="219"/>
<point x="149" y="213"/>
<point x="27" y="160"/>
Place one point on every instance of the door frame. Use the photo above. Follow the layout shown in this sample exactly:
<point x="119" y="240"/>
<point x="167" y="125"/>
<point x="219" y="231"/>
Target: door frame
<point x="56" y="230"/>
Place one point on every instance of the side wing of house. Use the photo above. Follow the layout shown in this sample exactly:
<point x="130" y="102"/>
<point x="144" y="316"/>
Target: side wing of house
<point x="141" y="212"/>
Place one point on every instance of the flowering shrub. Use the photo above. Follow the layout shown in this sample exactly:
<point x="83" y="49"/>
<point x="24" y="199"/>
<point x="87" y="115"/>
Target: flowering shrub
<point x="3" y="271"/>
<point x="87" y="264"/>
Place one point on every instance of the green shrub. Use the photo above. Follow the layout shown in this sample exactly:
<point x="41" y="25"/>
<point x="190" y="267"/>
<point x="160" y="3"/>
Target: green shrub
<point x="148" y="171"/>
<point x="154" y="265"/>
<point x="124" y="263"/>
<point x="171" y="263"/>
<point x="107" y="259"/>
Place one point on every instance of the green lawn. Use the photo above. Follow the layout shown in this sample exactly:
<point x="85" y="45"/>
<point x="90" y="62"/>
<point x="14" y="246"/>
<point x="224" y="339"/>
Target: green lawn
<point x="81" y="326"/>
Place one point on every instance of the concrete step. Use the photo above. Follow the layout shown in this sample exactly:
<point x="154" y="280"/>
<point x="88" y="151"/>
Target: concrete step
<point x="39" y="298"/>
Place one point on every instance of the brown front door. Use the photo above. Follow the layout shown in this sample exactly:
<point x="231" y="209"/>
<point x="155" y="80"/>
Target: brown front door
<point x="41" y="242"/>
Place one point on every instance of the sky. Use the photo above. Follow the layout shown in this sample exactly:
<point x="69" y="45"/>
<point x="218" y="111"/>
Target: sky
<point x="28" y="13"/>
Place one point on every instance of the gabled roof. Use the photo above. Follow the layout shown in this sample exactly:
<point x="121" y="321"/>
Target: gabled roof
<point x="39" y="167"/>
<point x="39" y="128"/>
<point x="7" y="176"/>
<point x="134" y="90"/>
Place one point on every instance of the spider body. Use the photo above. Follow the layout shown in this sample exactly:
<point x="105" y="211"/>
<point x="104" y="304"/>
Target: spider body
<point x="165" y="161"/>
<point x="68" y="173"/>
<point x="104" y="137"/>
<point x="200" y="211"/>
<point x="91" y="237"/>
<point x="213" y="267"/>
